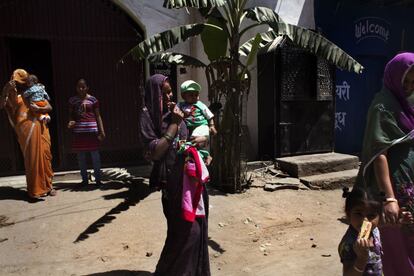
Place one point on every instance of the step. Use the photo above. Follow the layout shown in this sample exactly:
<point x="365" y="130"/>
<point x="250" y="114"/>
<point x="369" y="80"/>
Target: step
<point x="330" y="181"/>
<point x="305" y="165"/>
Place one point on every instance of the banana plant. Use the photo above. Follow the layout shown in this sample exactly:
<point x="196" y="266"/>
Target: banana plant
<point x="222" y="31"/>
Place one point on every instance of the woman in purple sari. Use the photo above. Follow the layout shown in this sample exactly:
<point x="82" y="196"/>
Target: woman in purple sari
<point x="185" y="251"/>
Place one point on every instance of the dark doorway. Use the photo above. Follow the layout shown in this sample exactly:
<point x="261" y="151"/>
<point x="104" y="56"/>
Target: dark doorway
<point x="34" y="56"/>
<point x="296" y="104"/>
<point x="60" y="42"/>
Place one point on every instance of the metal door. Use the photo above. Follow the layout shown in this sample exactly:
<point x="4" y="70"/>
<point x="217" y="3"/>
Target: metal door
<point x="296" y="103"/>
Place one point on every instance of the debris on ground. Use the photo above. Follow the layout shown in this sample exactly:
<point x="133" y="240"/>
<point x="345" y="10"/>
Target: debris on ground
<point x="104" y="259"/>
<point x="264" y="248"/>
<point x="299" y="219"/>
<point x="273" y="179"/>
<point x="222" y="224"/>
<point x="284" y="183"/>
<point x="3" y="221"/>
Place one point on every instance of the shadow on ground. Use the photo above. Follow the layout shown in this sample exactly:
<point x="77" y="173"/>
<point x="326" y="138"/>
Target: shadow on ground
<point x="136" y="191"/>
<point x="344" y="220"/>
<point x="19" y="194"/>
<point x="121" y="273"/>
<point x="215" y="246"/>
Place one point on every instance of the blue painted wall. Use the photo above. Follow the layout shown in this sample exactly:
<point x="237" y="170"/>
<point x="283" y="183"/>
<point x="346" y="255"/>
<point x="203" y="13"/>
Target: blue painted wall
<point x="372" y="35"/>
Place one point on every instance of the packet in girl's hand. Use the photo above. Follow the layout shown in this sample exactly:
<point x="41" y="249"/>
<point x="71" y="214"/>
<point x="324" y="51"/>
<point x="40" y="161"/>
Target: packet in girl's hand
<point x="365" y="231"/>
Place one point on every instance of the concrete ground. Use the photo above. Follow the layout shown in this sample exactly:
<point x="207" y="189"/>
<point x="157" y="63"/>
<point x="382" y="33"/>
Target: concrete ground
<point x="119" y="229"/>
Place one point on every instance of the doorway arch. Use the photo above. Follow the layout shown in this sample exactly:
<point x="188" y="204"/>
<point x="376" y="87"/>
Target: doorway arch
<point x="60" y="42"/>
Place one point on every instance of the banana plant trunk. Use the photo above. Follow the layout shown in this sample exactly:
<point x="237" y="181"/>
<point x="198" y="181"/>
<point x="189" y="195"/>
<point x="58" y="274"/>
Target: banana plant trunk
<point x="227" y="169"/>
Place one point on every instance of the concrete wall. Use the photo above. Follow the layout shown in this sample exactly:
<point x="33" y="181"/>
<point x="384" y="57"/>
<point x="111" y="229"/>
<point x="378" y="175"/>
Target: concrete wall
<point x="154" y="18"/>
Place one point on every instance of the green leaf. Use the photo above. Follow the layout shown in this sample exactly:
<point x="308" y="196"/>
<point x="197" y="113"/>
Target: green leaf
<point x="215" y="40"/>
<point x="266" y="38"/>
<point x="211" y="12"/>
<point x="255" y="44"/>
<point x="254" y="49"/>
<point x="318" y="45"/>
<point x="163" y="41"/>
<point x="176" y="58"/>
<point x="193" y="3"/>
<point x="263" y="15"/>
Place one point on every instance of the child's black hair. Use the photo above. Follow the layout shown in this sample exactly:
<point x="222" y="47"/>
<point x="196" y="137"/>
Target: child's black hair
<point x="359" y="197"/>
<point x="33" y="79"/>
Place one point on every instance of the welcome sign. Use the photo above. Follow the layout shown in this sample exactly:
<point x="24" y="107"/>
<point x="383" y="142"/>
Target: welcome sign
<point x="371" y="27"/>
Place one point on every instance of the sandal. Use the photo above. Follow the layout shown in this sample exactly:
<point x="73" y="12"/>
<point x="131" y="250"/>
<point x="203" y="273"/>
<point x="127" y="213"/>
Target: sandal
<point x="52" y="192"/>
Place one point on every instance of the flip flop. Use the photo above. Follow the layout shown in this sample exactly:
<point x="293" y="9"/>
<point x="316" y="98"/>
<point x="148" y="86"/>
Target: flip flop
<point x="52" y="192"/>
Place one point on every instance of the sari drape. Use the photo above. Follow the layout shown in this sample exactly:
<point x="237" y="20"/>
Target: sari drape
<point x="384" y="135"/>
<point x="34" y="140"/>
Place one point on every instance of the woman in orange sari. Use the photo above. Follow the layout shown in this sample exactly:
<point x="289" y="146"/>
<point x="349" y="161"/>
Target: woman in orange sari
<point x="33" y="135"/>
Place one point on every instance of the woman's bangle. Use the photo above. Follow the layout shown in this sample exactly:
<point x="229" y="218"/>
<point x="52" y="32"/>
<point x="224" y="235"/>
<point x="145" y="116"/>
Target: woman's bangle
<point x="168" y="137"/>
<point x="390" y="199"/>
<point x="357" y="269"/>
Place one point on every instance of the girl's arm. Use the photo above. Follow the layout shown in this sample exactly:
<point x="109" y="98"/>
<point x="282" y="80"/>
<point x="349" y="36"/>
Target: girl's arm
<point x="350" y="269"/>
<point x="100" y="124"/>
<point x="71" y="122"/>
<point x="382" y="175"/>
<point x="357" y="267"/>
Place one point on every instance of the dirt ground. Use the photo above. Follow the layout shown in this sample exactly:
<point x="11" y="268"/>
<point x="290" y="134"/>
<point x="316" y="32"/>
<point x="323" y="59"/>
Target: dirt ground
<point x="120" y="230"/>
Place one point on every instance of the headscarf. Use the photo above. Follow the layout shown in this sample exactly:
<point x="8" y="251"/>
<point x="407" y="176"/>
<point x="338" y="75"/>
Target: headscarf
<point x="394" y="75"/>
<point x="21" y="76"/>
<point x="153" y="100"/>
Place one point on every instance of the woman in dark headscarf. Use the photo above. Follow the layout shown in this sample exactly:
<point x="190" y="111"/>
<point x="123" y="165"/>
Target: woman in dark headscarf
<point x="388" y="160"/>
<point x="185" y="251"/>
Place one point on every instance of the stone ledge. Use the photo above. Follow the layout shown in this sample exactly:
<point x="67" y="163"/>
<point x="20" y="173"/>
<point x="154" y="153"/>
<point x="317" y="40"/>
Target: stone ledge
<point x="313" y="164"/>
<point x="330" y="181"/>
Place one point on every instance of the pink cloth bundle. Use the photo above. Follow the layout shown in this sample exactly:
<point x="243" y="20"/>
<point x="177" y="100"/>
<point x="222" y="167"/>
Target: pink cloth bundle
<point x="194" y="178"/>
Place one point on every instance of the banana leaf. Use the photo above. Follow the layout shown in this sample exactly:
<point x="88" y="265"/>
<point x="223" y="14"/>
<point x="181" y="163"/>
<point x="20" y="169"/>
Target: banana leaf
<point x="253" y="51"/>
<point x="214" y="40"/>
<point x="266" y="38"/>
<point x="176" y="58"/>
<point x="193" y="3"/>
<point x="262" y="15"/>
<point x="212" y="12"/>
<point x="309" y="40"/>
<point x="318" y="45"/>
<point x="163" y="41"/>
